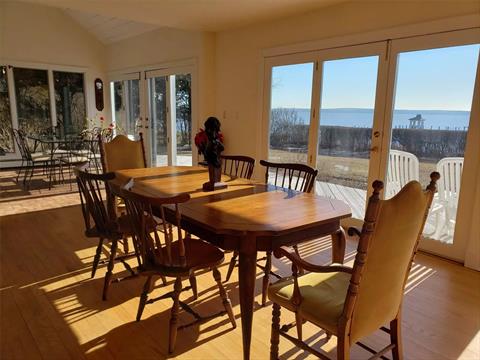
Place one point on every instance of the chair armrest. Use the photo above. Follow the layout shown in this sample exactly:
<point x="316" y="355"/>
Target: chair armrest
<point x="302" y="264"/>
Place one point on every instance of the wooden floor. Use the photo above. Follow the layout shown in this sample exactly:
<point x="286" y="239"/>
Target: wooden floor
<point x="51" y="309"/>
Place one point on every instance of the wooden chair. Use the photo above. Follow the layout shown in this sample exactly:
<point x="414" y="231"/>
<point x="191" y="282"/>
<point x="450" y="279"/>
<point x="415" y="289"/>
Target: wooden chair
<point x="101" y="221"/>
<point x="291" y="176"/>
<point x="351" y="303"/>
<point x="178" y="256"/>
<point x="238" y="166"/>
<point x="122" y="153"/>
<point x="118" y="154"/>
<point x="402" y="168"/>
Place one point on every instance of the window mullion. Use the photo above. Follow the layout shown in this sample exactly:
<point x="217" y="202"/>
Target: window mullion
<point x="51" y="92"/>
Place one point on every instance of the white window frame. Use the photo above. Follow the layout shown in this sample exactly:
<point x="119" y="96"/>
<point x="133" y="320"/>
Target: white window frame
<point x="185" y="66"/>
<point x="12" y="159"/>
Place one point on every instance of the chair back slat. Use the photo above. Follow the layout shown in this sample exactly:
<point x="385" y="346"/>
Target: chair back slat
<point x="148" y="216"/>
<point x="387" y="246"/>
<point x="450" y="170"/>
<point x="238" y="166"/>
<point x="292" y="176"/>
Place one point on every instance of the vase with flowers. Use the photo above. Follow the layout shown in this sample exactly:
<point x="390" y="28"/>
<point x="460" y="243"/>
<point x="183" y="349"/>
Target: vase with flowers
<point x="209" y="142"/>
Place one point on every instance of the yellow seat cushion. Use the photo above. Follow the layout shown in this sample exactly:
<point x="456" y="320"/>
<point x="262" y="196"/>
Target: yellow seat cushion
<point x="323" y="297"/>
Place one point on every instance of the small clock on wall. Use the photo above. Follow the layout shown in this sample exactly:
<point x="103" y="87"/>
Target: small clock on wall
<point x="99" y="94"/>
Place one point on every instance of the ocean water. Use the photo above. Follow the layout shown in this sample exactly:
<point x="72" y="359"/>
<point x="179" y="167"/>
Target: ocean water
<point x="434" y="119"/>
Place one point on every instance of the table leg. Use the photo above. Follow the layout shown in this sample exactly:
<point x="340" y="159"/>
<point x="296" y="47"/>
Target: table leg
<point x="246" y="278"/>
<point x="338" y="246"/>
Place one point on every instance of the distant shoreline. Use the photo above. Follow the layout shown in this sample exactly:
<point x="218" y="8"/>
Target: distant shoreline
<point x="362" y="117"/>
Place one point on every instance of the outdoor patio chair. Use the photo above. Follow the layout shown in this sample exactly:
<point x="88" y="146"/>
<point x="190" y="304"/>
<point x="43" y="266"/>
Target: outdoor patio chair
<point x="446" y="203"/>
<point x="403" y="167"/>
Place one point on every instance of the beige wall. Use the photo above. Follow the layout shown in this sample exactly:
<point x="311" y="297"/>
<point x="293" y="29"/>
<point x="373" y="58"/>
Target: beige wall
<point x="239" y="53"/>
<point x="170" y="46"/>
<point x="38" y="34"/>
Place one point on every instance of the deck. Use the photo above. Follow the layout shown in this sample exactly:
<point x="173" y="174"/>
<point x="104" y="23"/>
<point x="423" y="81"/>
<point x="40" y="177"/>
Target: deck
<point x="356" y="199"/>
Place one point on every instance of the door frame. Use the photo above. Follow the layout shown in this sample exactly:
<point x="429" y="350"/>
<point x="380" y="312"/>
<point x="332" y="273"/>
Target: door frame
<point x="169" y="72"/>
<point x="383" y="112"/>
<point x="455" y="251"/>
<point x="161" y="69"/>
<point x="379" y="49"/>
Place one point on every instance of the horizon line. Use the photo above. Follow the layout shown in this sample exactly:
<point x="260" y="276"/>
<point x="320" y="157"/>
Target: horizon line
<point x="354" y="108"/>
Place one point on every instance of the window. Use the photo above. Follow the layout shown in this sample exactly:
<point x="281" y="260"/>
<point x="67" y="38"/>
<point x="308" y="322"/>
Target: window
<point x="69" y="101"/>
<point x="33" y="99"/>
<point x="6" y="138"/>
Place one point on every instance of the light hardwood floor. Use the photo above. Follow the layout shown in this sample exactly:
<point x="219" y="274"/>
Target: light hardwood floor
<point x="51" y="309"/>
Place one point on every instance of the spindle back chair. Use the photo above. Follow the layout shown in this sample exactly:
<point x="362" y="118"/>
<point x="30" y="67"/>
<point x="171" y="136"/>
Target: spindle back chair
<point x="177" y="255"/>
<point x="238" y="166"/>
<point x="101" y="221"/>
<point x="291" y="176"/>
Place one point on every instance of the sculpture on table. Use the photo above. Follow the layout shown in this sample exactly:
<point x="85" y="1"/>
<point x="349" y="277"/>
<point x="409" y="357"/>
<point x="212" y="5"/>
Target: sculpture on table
<point x="210" y="144"/>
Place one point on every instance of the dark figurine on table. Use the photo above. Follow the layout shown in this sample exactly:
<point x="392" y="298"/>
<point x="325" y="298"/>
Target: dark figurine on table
<point x="210" y="144"/>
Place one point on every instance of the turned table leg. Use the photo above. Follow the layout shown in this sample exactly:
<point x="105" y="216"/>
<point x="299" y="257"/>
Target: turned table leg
<point x="338" y="246"/>
<point x="246" y="278"/>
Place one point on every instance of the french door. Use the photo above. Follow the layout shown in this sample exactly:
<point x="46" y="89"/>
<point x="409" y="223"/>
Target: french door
<point x="321" y="113"/>
<point x="125" y="100"/>
<point x="157" y="103"/>
<point x="169" y="109"/>
<point x="431" y="127"/>
<point x="392" y="110"/>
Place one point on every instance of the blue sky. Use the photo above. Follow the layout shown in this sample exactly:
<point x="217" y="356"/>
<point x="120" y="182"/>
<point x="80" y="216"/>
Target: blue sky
<point x="438" y="79"/>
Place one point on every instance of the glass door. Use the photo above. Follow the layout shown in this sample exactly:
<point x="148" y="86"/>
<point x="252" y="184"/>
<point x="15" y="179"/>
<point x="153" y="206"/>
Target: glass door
<point x="347" y="103"/>
<point x="169" y="112"/>
<point x="157" y="96"/>
<point x="125" y="95"/>
<point x="430" y="122"/>
<point x="290" y="112"/>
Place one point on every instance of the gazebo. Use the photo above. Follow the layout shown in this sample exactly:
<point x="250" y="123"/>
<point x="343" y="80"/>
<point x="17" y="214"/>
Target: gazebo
<point x="417" y="122"/>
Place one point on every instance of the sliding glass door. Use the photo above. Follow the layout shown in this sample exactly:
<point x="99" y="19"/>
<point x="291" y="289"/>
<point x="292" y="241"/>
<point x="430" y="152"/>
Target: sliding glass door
<point x="429" y="124"/>
<point x="157" y="103"/>
<point x="290" y="114"/>
<point x="322" y="114"/>
<point x="393" y="110"/>
<point x="348" y="92"/>
<point x="169" y="118"/>
<point x="125" y="98"/>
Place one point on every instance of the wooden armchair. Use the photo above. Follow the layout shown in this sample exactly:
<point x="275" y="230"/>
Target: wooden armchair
<point x="178" y="256"/>
<point x="351" y="303"/>
<point x="101" y="221"/>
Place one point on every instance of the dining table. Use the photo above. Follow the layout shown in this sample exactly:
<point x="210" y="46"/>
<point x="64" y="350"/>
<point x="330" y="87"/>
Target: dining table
<point x="246" y="216"/>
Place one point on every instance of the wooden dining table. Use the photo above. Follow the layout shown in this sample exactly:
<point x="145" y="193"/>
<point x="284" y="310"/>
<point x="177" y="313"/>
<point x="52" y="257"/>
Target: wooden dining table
<point x="246" y="216"/>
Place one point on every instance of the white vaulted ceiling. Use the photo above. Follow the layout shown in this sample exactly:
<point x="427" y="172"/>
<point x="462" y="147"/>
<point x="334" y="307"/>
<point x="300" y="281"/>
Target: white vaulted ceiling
<point x="109" y="29"/>
<point x="204" y="15"/>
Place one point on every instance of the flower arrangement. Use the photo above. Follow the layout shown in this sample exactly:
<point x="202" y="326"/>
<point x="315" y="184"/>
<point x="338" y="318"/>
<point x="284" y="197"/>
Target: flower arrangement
<point x="201" y="140"/>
